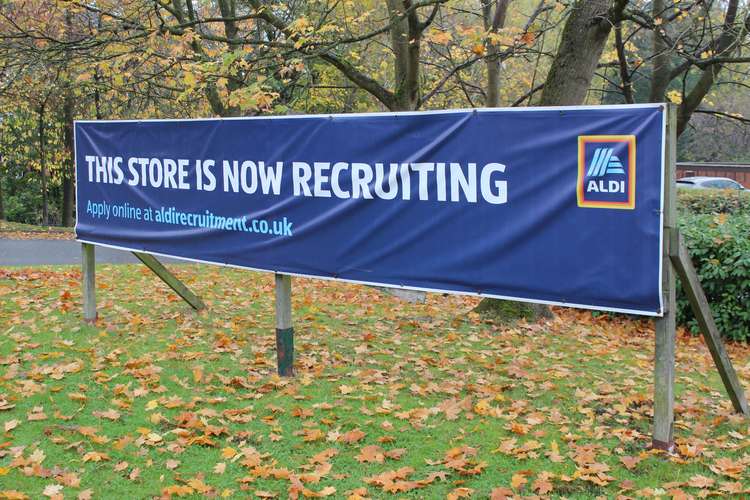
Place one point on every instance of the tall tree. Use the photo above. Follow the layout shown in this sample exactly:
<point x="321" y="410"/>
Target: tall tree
<point x="582" y="42"/>
<point x="42" y="152"/>
<point x="68" y="168"/>
<point x="2" y="203"/>
<point x="494" y="13"/>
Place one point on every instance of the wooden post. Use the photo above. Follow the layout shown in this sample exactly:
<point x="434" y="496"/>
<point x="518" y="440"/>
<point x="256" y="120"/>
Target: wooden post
<point x="702" y="311"/>
<point x="284" y="329"/>
<point x="170" y="279"/>
<point x="664" y="358"/>
<point x="88" y="275"/>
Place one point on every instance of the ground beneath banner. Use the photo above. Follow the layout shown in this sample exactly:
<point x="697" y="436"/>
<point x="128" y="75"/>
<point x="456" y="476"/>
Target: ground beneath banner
<point x="415" y="400"/>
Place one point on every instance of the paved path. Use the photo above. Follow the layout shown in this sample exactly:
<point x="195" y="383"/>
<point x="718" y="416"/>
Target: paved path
<point x="60" y="252"/>
<point x="53" y="252"/>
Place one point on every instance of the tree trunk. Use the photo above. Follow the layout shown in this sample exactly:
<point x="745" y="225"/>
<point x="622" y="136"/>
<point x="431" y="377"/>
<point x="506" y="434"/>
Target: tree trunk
<point x="660" y="69"/>
<point x="97" y="96"/>
<point x="493" y="83"/>
<point x="68" y="186"/>
<point x="507" y="311"/>
<point x="583" y="39"/>
<point x="43" y="165"/>
<point x="2" y="205"/>
<point x="502" y="310"/>
<point x="493" y="22"/>
<point x="627" y="84"/>
<point x="235" y="80"/>
<point x="68" y="171"/>
<point x="406" y="37"/>
<point x="581" y="44"/>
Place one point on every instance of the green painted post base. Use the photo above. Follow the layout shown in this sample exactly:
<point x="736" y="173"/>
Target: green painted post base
<point x="285" y="351"/>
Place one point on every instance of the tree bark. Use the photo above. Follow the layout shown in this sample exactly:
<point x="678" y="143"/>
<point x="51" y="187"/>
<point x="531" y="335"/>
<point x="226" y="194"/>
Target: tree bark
<point x="406" y="38"/>
<point x="493" y="22"/>
<point x="660" y="66"/>
<point x="68" y="173"/>
<point x="43" y="163"/>
<point x="627" y="84"/>
<point x="2" y="205"/>
<point x="583" y="39"/>
<point x="503" y="310"/>
<point x="97" y="95"/>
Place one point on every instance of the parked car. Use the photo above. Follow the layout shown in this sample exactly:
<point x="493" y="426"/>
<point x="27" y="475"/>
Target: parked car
<point x="709" y="183"/>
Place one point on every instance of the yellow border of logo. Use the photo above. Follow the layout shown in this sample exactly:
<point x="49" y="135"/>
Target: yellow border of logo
<point x="585" y="139"/>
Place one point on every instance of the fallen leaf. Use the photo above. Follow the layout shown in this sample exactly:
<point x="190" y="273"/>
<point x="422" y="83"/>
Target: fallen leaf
<point x="53" y="491"/>
<point x="352" y="436"/>
<point x="629" y="462"/>
<point x="371" y="454"/>
<point x="95" y="456"/>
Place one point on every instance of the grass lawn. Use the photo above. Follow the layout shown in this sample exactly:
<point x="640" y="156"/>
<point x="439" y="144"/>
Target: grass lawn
<point x="18" y="231"/>
<point x="390" y="400"/>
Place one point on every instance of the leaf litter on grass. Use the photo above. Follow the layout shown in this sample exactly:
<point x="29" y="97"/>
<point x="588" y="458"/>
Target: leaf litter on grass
<point x="390" y="398"/>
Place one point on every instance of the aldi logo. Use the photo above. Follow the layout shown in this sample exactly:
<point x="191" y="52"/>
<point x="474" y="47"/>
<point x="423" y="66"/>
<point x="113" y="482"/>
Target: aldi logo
<point x="606" y="171"/>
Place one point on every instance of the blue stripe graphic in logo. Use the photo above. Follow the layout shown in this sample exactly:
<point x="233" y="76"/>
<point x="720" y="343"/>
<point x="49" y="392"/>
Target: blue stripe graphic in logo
<point x="605" y="162"/>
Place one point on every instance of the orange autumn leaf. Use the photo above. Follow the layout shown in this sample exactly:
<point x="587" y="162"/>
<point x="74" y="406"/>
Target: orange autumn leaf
<point x="95" y="456"/>
<point x="629" y="462"/>
<point x="351" y="437"/>
<point x="371" y="454"/>
<point x="517" y="481"/>
<point x="179" y="490"/>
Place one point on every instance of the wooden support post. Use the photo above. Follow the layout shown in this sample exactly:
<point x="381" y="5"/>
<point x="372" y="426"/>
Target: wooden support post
<point x="88" y="275"/>
<point x="702" y="311"/>
<point x="284" y="329"/>
<point x="170" y="279"/>
<point x="664" y="358"/>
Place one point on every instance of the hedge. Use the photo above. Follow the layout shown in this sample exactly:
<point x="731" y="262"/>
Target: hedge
<point x="713" y="201"/>
<point x="716" y="228"/>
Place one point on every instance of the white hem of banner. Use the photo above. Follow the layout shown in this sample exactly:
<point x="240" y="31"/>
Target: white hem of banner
<point x="388" y="113"/>
<point x="664" y="117"/>
<point x="374" y="283"/>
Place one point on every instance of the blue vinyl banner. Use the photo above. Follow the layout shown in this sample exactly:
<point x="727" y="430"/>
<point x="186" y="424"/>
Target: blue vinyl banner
<point x="551" y="205"/>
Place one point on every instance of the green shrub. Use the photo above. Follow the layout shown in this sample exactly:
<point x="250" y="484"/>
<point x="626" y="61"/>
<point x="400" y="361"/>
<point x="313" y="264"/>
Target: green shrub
<point x="713" y="201"/>
<point x="720" y="249"/>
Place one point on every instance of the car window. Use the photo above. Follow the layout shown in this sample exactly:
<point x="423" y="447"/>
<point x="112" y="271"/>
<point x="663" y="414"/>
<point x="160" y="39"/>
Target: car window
<point x="727" y="184"/>
<point x="721" y="184"/>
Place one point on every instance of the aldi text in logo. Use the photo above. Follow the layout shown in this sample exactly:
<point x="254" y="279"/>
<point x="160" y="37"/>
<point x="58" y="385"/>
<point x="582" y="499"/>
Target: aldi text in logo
<point x="606" y="171"/>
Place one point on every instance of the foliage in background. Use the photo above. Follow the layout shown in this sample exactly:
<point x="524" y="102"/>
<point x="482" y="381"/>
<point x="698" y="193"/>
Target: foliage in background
<point x="20" y="167"/>
<point x="61" y="60"/>
<point x="714" y="138"/>
<point x="713" y="201"/>
<point x="716" y="228"/>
